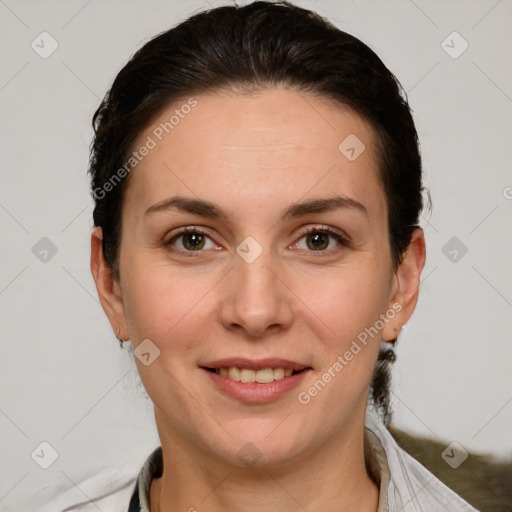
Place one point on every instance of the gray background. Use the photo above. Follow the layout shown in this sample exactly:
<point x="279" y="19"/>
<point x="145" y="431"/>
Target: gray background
<point x="63" y="378"/>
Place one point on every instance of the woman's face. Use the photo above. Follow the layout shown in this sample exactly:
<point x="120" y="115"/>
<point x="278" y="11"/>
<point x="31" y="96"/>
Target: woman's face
<point x="248" y="283"/>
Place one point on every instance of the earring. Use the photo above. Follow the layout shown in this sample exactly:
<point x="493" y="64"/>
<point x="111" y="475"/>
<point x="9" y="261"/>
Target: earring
<point x="119" y="339"/>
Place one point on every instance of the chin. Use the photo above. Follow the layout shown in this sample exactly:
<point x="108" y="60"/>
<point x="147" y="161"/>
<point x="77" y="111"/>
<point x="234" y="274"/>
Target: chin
<point x="260" y="445"/>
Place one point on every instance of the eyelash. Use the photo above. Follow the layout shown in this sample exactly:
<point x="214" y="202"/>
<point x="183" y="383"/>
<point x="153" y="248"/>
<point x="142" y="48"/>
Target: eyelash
<point x="342" y="240"/>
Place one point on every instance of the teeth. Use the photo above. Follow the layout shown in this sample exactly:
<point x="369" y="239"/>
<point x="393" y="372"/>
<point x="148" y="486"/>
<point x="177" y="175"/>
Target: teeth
<point x="247" y="375"/>
<point x="234" y="374"/>
<point x="263" y="376"/>
<point x="278" y="374"/>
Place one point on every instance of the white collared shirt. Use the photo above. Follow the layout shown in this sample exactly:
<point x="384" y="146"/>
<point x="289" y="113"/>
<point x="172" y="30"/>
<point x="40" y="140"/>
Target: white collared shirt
<point x="405" y="485"/>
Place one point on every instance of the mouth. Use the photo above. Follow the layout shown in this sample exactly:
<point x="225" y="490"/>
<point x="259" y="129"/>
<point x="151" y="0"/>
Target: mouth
<point x="249" y="375"/>
<point x="255" y="381"/>
<point x="259" y="371"/>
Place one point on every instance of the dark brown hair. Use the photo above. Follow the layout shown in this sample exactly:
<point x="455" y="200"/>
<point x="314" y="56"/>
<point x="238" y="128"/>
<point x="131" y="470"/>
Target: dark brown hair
<point x="259" y="45"/>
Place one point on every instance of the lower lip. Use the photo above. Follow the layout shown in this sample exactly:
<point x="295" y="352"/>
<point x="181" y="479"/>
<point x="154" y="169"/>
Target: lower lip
<point x="254" y="392"/>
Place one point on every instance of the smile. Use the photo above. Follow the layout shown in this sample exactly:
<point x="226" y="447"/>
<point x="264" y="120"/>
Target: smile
<point x="255" y="381"/>
<point x="246" y="375"/>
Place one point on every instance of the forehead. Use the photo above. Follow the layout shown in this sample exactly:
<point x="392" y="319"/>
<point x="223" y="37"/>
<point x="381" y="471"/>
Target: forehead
<point x="266" y="148"/>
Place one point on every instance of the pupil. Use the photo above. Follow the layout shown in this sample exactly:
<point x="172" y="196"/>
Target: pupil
<point x="194" y="239"/>
<point x="318" y="240"/>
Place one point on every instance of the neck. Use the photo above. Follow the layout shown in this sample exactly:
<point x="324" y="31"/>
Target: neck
<point x="333" y="477"/>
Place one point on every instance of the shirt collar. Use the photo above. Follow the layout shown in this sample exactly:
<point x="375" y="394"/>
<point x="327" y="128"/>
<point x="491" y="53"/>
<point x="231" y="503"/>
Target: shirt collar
<point x="153" y="468"/>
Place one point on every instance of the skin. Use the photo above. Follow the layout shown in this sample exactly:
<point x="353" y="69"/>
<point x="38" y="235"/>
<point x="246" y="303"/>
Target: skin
<point x="253" y="155"/>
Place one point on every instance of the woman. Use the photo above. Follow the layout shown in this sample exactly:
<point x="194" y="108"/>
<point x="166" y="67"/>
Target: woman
<point x="257" y="186"/>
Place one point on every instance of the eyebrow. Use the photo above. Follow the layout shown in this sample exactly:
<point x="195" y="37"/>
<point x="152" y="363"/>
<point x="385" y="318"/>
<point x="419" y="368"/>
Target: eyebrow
<point x="210" y="210"/>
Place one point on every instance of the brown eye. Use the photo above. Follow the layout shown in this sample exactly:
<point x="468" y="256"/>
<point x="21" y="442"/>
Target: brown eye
<point x="317" y="240"/>
<point x="323" y="240"/>
<point x="190" y="240"/>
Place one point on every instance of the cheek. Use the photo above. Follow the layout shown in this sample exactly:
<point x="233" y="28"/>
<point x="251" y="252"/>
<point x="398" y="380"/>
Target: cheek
<point x="346" y="300"/>
<point x="347" y="310"/>
<point x="173" y="310"/>
<point x="160" y="302"/>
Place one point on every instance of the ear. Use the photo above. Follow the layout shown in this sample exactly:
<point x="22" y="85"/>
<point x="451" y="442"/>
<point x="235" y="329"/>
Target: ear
<point x="109" y="290"/>
<point x="405" y="287"/>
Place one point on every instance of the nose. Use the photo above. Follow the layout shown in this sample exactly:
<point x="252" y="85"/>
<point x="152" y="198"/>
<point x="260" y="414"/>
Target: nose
<point x="257" y="299"/>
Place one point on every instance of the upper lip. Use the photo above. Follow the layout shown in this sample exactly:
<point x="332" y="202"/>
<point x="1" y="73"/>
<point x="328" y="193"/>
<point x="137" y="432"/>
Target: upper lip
<point x="255" y="364"/>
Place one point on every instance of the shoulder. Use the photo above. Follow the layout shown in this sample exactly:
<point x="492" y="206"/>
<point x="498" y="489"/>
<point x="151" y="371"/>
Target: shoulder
<point x="132" y="496"/>
<point x="116" y="501"/>
<point x="411" y="487"/>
